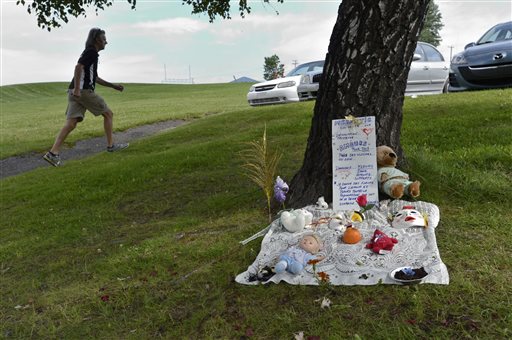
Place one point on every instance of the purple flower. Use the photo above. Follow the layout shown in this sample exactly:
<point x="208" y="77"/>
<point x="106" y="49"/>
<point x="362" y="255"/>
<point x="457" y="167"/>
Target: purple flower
<point x="408" y="271"/>
<point x="280" y="190"/>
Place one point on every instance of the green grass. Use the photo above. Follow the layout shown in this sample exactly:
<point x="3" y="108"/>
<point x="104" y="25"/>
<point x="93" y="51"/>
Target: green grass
<point x="156" y="229"/>
<point x="32" y="114"/>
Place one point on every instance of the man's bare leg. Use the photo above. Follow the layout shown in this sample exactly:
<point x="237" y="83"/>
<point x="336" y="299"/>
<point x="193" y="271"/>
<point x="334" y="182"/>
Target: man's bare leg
<point x="64" y="132"/>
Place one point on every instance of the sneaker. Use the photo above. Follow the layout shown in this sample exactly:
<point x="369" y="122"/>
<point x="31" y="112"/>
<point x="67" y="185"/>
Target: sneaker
<point x="117" y="147"/>
<point x="52" y="158"/>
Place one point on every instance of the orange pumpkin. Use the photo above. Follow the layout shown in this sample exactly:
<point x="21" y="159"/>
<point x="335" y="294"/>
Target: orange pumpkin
<point x="352" y="235"/>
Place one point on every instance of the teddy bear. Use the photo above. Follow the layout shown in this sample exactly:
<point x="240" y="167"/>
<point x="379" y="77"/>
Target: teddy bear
<point x="381" y="241"/>
<point x="295" y="220"/>
<point x="392" y="181"/>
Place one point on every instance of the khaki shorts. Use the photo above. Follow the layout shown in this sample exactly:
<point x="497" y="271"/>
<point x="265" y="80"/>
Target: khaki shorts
<point x="88" y="100"/>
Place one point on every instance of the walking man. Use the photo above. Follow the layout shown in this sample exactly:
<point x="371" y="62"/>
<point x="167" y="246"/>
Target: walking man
<point x="81" y="97"/>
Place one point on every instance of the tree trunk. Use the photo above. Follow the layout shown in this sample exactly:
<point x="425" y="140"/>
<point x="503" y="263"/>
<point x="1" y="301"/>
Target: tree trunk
<point x="365" y="74"/>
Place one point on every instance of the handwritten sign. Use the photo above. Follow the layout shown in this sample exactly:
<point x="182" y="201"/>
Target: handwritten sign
<point x="354" y="162"/>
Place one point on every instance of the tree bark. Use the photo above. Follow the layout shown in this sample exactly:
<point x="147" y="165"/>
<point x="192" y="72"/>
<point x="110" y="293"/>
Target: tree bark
<point x="365" y="74"/>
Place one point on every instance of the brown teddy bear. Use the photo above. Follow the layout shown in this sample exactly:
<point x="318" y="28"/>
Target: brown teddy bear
<point x="393" y="182"/>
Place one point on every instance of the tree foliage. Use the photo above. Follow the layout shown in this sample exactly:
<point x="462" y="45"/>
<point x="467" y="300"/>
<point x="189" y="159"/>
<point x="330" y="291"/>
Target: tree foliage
<point x="432" y="26"/>
<point x="273" y="69"/>
<point x="52" y="13"/>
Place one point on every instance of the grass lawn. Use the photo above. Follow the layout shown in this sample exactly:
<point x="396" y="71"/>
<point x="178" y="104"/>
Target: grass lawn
<point x="33" y="114"/>
<point x="144" y="243"/>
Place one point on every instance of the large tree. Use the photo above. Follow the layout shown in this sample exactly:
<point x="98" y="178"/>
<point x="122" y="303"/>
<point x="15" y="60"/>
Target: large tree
<point x="365" y="73"/>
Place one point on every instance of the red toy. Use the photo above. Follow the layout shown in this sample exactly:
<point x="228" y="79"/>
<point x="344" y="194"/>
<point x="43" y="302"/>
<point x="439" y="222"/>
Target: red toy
<point x="381" y="241"/>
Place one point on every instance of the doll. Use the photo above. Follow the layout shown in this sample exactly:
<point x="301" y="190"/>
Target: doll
<point x="297" y="257"/>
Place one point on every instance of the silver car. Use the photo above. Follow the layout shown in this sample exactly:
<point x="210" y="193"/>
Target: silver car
<point x="486" y="63"/>
<point x="281" y="90"/>
<point x="428" y="74"/>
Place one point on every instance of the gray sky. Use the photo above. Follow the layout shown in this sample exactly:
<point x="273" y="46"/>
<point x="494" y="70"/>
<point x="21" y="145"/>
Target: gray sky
<point x="162" y="33"/>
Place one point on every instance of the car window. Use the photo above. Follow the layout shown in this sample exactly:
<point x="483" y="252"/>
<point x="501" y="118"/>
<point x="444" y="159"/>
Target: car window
<point x="501" y="32"/>
<point x="432" y="54"/>
<point x="504" y="35"/>
<point x="419" y="51"/>
<point x="316" y="68"/>
<point x="303" y="68"/>
<point x="298" y="70"/>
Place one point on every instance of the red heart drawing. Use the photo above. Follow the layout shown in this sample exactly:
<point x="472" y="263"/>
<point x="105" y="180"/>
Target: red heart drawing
<point x="367" y="131"/>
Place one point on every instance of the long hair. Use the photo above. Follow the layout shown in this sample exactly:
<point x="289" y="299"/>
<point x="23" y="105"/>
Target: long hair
<point x="93" y="34"/>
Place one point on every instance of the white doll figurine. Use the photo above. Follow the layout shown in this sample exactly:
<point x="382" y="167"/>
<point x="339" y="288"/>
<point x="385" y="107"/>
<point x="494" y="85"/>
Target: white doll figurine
<point x="297" y="257"/>
<point x="321" y="203"/>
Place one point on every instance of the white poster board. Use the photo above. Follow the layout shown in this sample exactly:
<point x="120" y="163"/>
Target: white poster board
<point x="354" y="162"/>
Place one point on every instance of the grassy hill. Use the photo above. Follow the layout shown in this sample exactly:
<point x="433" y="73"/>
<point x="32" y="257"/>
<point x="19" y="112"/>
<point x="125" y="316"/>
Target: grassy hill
<point x="144" y="243"/>
<point x="32" y="114"/>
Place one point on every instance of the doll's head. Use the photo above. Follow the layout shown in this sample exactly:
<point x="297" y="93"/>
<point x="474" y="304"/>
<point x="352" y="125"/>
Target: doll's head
<point x="311" y="243"/>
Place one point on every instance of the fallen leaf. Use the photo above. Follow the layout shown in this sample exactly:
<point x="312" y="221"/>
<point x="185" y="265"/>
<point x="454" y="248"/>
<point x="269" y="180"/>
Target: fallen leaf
<point x="105" y="298"/>
<point x="249" y="332"/>
<point x="326" y="303"/>
<point x="299" y="336"/>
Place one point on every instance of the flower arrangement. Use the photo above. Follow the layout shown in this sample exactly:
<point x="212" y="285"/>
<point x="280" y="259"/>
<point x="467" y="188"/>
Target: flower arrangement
<point x="411" y="274"/>
<point x="362" y="202"/>
<point x="322" y="277"/>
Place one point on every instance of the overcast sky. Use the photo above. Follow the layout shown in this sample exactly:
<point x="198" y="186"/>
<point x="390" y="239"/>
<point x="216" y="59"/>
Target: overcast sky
<point x="159" y="32"/>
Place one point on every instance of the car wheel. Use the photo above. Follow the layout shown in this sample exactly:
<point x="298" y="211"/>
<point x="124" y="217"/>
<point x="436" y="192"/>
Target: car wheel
<point x="445" y="87"/>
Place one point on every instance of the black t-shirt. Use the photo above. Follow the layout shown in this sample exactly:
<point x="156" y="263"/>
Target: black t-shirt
<point x="88" y="58"/>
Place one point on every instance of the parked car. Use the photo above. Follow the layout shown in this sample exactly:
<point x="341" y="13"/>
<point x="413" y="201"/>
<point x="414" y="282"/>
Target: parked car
<point x="281" y="90"/>
<point x="428" y="74"/>
<point x="486" y="63"/>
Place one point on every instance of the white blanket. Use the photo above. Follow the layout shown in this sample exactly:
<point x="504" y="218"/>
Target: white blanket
<point x="348" y="264"/>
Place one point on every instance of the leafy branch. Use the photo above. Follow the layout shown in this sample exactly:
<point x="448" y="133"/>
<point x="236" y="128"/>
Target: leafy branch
<point x="52" y="13"/>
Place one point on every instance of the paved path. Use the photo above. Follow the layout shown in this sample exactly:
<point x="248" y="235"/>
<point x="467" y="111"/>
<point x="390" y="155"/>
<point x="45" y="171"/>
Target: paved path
<point x="21" y="163"/>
